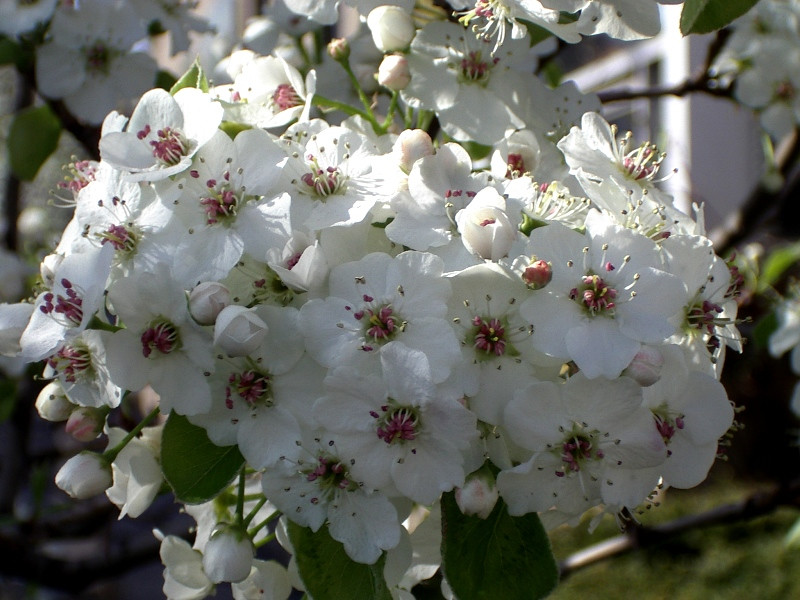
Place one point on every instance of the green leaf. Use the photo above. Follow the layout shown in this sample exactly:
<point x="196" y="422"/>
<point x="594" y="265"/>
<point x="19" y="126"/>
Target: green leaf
<point x="165" y="80"/>
<point x="776" y="264"/>
<point x="705" y="16"/>
<point x="10" y="52"/>
<point x="196" y="469"/>
<point x="764" y="329"/>
<point x="32" y="139"/>
<point x="329" y="574"/>
<point x="498" y="557"/>
<point x="193" y="78"/>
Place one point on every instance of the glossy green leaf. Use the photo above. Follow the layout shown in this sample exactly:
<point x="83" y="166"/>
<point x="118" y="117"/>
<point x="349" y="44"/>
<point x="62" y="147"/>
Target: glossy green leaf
<point x="763" y="329"/>
<point x="32" y="138"/>
<point x="195" y="77"/>
<point x="196" y="469"/>
<point x="705" y="16"/>
<point x="329" y="574"/>
<point x="497" y="557"/>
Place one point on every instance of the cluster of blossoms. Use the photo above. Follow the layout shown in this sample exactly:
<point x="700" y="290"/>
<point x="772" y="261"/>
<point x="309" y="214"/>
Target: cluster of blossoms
<point x="372" y="317"/>
<point x="94" y="56"/>
<point x="762" y="56"/>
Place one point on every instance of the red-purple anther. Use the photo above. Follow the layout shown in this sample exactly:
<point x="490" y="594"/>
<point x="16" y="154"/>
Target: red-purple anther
<point x="474" y="68"/>
<point x="119" y="237"/>
<point x="401" y="425"/>
<point x="293" y="260"/>
<point x="382" y="324"/>
<point x="594" y="294"/>
<point x="490" y="337"/>
<point x="143" y="133"/>
<point x="705" y="316"/>
<point x="70" y="307"/>
<point x="249" y="385"/>
<point x="286" y="96"/>
<point x="516" y="165"/>
<point x="97" y="57"/>
<point x="538" y="274"/>
<point x="70" y="361"/>
<point x="161" y="336"/>
<point x="324" y="182"/>
<point x="170" y="147"/>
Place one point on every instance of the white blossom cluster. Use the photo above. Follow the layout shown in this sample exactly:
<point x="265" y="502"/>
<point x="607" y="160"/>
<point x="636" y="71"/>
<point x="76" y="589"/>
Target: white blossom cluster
<point x="371" y="315"/>
<point x="762" y="57"/>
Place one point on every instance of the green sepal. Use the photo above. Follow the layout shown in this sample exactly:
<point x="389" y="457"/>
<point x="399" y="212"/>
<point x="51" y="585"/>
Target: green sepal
<point x="195" y="77"/>
<point x="196" y="468"/>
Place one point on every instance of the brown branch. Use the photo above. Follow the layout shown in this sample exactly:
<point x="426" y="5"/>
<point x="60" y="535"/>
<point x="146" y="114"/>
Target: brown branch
<point x="639" y="538"/>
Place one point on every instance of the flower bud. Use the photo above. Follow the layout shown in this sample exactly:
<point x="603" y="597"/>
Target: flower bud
<point x="48" y="267"/>
<point x="228" y="555"/>
<point x="478" y="496"/>
<point x="85" y="423"/>
<point x="484" y="226"/>
<point x="239" y="331"/>
<point x="410" y="146"/>
<point x="339" y="49"/>
<point x="84" y="475"/>
<point x="538" y="274"/>
<point x="207" y="300"/>
<point x="392" y="28"/>
<point x="52" y="403"/>
<point x="393" y="72"/>
<point x="645" y="368"/>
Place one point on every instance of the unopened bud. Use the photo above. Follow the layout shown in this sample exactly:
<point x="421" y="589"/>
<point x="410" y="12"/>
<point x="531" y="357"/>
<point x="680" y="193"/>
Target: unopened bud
<point x="239" y="331"/>
<point x="48" y="266"/>
<point x="393" y="72"/>
<point x="52" y="403"/>
<point x="86" y="423"/>
<point x="478" y="496"/>
<point x="645" y="368"/>
<point x="228" y="555"/>
<point x="392" y="28"/>
<point x="84" y="475"/>
<point x="410" y="146"/>
<point x="207" y="300"/>
<point x="538" y="274"/>
<point x="339" y="49"/>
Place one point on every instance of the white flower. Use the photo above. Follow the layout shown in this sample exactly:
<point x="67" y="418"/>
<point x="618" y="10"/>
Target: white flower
<point x="184" y="578"/>
<point x="268" y="580"/>
<point x="485" y="226"/>
<point x="238" y="331"/>
<point x="163" y="134"/>
<point x="136" y="471"/>
<point x="396" y="431"/>
<point x="88" y="60"/>
<point x="84" y="475"/>
<point x="20" y="16"/>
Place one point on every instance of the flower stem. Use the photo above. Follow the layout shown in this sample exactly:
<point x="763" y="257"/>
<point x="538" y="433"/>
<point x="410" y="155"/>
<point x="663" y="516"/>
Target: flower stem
<point x="112" y="453"/>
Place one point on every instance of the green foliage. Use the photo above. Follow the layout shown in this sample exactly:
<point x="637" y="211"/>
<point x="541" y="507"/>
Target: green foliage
<point x="498" y="557"/>
<point x="764" y="329"/>
<point x="165" y="80"/>
<point x="10" y="51"/>
<point x="705" y="16"/>
<point x="195" y="77"/>
<point x="329" y="574"/>
<point x="33" y="137"/>
<point x="195" y="468"/>
<point x="776" y="264"/>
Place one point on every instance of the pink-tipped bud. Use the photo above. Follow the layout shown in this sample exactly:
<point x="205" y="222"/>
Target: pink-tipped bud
<point x="86" y="423"/>
<point x="645" y="368"/>
<point x="207" y="300"/>
<point x="339" y="49"/>
<point x="410" y="146"/>
<point x="478" y="496"/>
<point x="538" y="274"/>
<point x="393" y="72"/>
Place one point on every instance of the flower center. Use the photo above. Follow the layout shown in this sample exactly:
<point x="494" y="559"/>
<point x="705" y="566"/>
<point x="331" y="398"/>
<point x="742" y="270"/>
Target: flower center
<point x="324" y="182"/>
<point x="578" y="447"/>
<point x="595" y="295"/>
<point x="330" y="475"/>
<point x="71" y="361"/>
<point x="169" y="145"/>
<point x="81" y="173"/>
<point x="489" y="336"/>
<point x="706" y="318"/>
<point x="69" y="307"/>
<point x="286" y="96"/>
<point x="380" y="322"/>
<point x="516" y="165"/>
<point x="474" y="69"/>
<point x="252" y="386"/>
<point x="98" y="56"/>
<point x="222" y="204"/>
<point x="396" y="423"/>
<point x="160" y="335"/>
<point x="667" y="425"/>
<point x="122" y="239"/>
